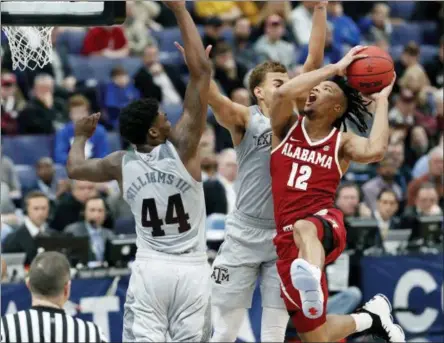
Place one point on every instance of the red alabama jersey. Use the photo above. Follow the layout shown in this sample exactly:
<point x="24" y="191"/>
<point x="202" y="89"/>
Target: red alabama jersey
<point x="304" y="176"/>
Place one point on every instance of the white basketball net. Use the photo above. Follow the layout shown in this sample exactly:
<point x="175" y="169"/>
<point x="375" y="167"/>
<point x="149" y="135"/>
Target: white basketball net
<point x="31" y="46"/>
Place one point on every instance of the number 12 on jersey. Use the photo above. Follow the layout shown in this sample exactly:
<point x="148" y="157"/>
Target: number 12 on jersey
<point x="150" y="216"/>
<point x="299" y="177"/>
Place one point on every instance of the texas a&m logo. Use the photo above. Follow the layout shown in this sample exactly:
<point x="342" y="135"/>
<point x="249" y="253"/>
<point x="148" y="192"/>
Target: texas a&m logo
<point x="264" y="140"/>
<point x="220" y="274"/>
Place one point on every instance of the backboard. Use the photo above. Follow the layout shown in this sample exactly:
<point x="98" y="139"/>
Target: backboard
<point x="62" y="13"/>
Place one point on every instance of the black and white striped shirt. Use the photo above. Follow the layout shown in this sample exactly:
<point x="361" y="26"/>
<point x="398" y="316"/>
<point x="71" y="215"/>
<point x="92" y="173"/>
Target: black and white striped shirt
<point x="46" y="324"/>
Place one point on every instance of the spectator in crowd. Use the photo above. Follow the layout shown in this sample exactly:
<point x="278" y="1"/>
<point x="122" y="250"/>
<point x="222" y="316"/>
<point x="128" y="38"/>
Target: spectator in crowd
<point x="117" y="94"/>
<point x="227" y="11"/>
<point x="44" y="112"/>
<point x="70" y="205"/>
<point x="271" y="46"/>
<point x="47" y="181"/>
<point x="215" y="196"/>
<point x="384" y="180"/>
<point x="243" y="48"/>
<point x="213" y="28"/>
<point x="241" y="96"/>
<point x="348" y="201"/>
<point x="409" y="57"/>
<point x="139" y="21"/>
<point x="5" y="230"/>
<point x="8" y="175"/>
<point x="435" y="68"/>
<point x="226" y="174"/>
<point x="417" y="144"/>
<point x="415" y="79"/>
<point x="333" y="50"/>
<point x="426" y="203"/>
<point x="386" y="208"/>
<point x="12" y="102"/>
<point x="345" y="30"/>
<point x="377" y="25"/>
<point x="228" y="73"/>
<point x="107" y="41"/>
<point x="421" y="166"/>
<point x="403" y="176"/>
<point x="301" y="20"/>
<point x="404" y="111"/>
<point x="23" y="240"/>
<point x="434" y="176"/>
<point x="159" y="81"/>
<point x="97" y="145"/>
<point x="92" y="226"/>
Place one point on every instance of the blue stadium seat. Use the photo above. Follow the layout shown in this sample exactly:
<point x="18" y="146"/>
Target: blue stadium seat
<point x="99" y="68"/>
<point x="401" y="9"/>
<point x="405" y="33"/>
<point x="124" y="226"/>
<point x="168" y="36"/>
<point x="428" y="52"/>
<point x="27" y="149"/>
<point x="27" y="176"/>
<point x="114" y="141"/>
<point x="60" y="171"/>
<point x="71" y="40"/>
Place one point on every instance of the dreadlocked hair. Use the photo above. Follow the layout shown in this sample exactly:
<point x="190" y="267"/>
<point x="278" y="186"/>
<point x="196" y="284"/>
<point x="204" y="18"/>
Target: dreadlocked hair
<point x="356" y="107"/>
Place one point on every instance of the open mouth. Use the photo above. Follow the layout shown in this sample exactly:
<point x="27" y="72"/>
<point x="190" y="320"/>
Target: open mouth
<point x="311" y="98"/>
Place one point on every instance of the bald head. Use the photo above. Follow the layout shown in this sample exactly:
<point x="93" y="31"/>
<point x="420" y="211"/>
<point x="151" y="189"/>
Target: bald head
<point x="436" y="161"/>
<point x="49" y="274"/>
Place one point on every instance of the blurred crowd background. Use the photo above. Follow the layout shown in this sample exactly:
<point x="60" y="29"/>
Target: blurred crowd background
<point x="105" y="68"/>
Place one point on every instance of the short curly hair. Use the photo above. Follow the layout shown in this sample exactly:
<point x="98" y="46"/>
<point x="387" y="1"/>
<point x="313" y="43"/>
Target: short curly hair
<point x="137" y="118"/>
<point x="260" y="72"/>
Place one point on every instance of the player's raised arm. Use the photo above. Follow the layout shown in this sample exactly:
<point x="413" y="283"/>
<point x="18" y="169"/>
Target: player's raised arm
<point x="95" y="169"/>
<point x="316" y="45"/>
<point x="189" y="129"/>
<point x="228" y="114"/>
<point x="283" y="98"/>
<point x="373" y="148"/>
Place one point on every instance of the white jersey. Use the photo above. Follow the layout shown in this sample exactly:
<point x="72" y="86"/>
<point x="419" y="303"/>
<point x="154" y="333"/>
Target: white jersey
<point x="167" y="203"/>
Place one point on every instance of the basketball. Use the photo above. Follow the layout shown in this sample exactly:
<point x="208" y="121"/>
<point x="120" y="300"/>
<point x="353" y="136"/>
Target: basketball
<point x="373" y="73"/>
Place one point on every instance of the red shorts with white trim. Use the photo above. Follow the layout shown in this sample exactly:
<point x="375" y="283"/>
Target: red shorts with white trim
<point x="332" y="220"/>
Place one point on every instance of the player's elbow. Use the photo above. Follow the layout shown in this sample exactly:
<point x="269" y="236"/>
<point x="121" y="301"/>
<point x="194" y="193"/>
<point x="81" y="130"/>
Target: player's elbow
<point x="379" y="154"/>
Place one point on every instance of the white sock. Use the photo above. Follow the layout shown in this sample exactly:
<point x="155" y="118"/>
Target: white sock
<point x="363" y="321"/>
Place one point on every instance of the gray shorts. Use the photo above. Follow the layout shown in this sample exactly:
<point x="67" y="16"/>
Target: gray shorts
<point x="246" y="255"/>
<point x="168" y="297"/>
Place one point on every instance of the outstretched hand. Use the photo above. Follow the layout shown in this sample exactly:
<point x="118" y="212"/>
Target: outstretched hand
<point x="182" y="51"/>
<point x="353" y="55"/>
<point x="86" y="126"/>
<point x="384" y="93"/>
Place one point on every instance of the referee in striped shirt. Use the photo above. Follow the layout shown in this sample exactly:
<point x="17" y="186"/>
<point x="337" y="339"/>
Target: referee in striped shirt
<point x="50" y="286"/>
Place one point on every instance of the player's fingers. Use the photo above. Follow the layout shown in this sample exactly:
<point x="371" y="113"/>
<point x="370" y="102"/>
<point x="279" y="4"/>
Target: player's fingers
<point x="179" y="47"/>
<point x="357" y="49"/>
<point x="208" y="50"/>
<point x="359" y="56"/>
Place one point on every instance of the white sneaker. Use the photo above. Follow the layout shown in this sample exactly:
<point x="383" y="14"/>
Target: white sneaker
<point x="310" y="290"/>
<point x="379" y="308"/>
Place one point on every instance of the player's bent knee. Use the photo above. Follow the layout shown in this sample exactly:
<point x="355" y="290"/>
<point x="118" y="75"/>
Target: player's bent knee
<point x="305" y="230"/>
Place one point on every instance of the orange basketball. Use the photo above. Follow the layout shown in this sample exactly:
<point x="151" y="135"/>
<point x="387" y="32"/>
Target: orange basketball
<point x="373" y="73"/>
